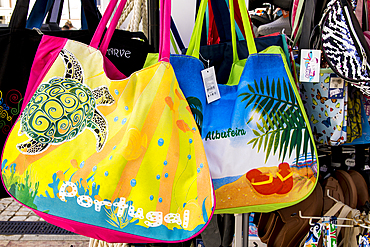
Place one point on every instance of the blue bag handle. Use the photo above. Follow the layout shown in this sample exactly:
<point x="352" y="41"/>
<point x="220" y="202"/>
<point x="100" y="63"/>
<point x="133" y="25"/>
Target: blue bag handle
<point x="42" y="7"/>
<point x="38" y="13"/>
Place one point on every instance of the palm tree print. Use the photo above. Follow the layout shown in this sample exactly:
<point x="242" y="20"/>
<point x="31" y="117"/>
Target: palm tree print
<point x="197" y="110"/>
<point x="283" y="127"/>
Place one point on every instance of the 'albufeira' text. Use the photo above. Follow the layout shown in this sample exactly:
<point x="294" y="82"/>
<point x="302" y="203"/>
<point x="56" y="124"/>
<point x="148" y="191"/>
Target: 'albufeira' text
<point x="215" y="135"/>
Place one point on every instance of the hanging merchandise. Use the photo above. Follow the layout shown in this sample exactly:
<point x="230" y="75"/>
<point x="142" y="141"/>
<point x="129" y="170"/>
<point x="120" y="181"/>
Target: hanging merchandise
<point x="326" y="106"/>
<point x="257" y="138"/>
<point x="18" y="46"/>
<point x="120" y="160"/>
<point x="330" y="232"/>
<point x="140" y="15"/>
<point x="221" y="55"/>
<point x="354" y="125"/>
<point x="286" y="227"/>
<point x="344" y="44"/>
<point x="365" y="126"/>
<point x="314" y="235"/>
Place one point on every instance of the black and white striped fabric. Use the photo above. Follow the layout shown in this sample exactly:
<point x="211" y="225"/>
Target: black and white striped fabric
<point x="344" y="45"/>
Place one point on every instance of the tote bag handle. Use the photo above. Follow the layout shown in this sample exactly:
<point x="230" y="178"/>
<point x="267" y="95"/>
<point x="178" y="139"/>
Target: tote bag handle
<point x="19" y="15"/>
<point x="90" y="15"/>
<point x="194" y="45"/>
<point x="165" y="24"/>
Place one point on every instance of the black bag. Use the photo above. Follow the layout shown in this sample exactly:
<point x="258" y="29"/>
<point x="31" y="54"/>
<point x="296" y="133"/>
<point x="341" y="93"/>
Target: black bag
<point x="344" y="44"/>
<point x="18" y="46"/>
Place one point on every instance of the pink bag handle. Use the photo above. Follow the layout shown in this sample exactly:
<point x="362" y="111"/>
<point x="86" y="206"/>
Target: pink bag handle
<point x="165" y="26"/>
<point x="164" y="23"/>
<point x="95" y="41"/>
<point x="112" y="27"/>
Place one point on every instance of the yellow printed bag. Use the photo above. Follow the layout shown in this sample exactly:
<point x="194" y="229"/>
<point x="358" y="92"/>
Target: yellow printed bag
<point x="115" y="159"/>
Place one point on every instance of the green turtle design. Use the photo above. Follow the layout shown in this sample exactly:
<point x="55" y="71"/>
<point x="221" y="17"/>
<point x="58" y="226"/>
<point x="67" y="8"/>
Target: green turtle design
<point x="63" y="108"/>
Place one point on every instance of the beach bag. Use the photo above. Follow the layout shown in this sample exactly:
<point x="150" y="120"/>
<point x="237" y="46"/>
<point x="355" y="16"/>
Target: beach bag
<point x="236" y="145"/>
<point x="327" y="114"/>
<point x="343" y="43"/>
<point x="18" y="46"/>
<point x="120" y="160"/>
<point x="257" y="137"/>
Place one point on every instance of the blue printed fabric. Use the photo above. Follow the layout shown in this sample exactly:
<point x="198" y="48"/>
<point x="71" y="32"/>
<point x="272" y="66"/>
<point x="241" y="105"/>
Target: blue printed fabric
<point x="327" y="115"/>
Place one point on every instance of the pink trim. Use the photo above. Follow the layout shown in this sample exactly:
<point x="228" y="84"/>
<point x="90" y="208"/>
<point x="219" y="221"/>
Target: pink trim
<point x="47" y="51"/>
<point x="108" y="235"/>
<point x="95" y="41"/>
<point x="165" y="26"/>
<point x="111" y="71"/>
<point x="112" y="27"/>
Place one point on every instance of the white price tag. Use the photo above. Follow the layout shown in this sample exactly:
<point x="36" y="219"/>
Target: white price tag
<point x="310" y="65"/>
<point x="210" y="85"/>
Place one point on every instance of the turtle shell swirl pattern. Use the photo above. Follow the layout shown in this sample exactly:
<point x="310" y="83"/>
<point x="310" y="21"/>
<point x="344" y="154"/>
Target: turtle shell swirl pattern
<point x="59" y="110"/>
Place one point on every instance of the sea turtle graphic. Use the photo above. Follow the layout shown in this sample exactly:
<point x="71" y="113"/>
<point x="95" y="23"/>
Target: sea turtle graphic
<point x="63" y="108"/>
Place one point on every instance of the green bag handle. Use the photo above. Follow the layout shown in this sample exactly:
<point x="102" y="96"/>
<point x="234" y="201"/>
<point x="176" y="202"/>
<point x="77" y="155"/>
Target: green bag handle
<point x="194" y="45"/>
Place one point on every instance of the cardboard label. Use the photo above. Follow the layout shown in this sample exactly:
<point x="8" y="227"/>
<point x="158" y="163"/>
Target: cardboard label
<point x="310" y="65"/>
<point x="210" y="85"/>
<point x="336" y="87"/>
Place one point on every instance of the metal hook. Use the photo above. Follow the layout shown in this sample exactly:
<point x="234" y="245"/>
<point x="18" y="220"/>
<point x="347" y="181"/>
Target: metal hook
<point x="38" y="30"/>
<point x="328" y="195"/>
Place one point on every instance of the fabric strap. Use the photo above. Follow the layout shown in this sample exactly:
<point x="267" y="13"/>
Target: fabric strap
<point x="309" y="13"/>
<point x="38" y="13"/>
<point x="194" y="45"/>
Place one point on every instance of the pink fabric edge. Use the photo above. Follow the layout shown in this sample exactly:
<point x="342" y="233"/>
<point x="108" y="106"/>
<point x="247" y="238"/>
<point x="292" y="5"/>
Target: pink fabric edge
<point x="46" y="54"/>
<point x="102" y="24"/>
<point x="112" y="26"/>
<point x="114" y="236"/>
<point x="165" y="26"/>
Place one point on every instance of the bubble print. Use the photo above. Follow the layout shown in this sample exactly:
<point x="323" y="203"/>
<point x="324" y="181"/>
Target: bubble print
<point x="133" y="182"/>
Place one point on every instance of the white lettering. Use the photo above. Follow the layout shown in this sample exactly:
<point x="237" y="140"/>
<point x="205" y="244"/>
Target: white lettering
<point x="186" y="219"/>
<point x="127" y="54"/>
<point x="98" y="204"/>
<point x="155" y="217"/>
<point x="121" y="205"/>
<point x="118" y="52"/>
<point x="85" y="201"/>
<point x="172" y="218"/>
<point x="68" y="189"/>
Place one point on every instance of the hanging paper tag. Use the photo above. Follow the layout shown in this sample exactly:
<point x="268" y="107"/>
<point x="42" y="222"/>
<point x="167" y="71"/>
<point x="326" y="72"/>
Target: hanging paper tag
<point x="210" y="84"/>
<point x="310" y="65"/>
<point x="336" y="87"/>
